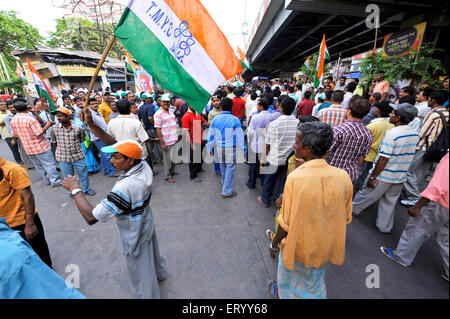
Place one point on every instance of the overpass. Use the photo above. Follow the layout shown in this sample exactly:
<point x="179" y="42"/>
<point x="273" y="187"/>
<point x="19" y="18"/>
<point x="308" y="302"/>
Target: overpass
<point x="286" y="32"/>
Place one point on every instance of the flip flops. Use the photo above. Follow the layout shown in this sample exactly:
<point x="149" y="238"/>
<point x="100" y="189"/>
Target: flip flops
<point x="269" y="234"/>
<point x="271" y="285"/>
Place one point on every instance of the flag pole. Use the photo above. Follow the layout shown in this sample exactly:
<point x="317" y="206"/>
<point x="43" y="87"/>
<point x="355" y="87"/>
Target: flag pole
<point x="97" y="70"/>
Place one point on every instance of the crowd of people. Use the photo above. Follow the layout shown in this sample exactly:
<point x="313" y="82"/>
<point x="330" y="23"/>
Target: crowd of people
<point x="323" y="156"/>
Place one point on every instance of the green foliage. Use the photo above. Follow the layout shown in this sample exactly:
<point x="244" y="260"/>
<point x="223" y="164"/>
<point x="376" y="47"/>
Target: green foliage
<point x="83" y="35"/>
<point x="418" y="65"/>
<point x="16" y="33"/>
<point x="15" y="84"/>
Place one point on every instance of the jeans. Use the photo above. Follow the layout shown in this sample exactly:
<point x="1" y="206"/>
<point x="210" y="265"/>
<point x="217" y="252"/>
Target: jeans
<point x="14" y="150"/>
<point x="81" y="168"/>
<point x="107" y="168"/>
<point x="226" y="157"/>
<point x="253" y="173"/>
<point x="46" y="166"/>
<point x="271" y="181"/>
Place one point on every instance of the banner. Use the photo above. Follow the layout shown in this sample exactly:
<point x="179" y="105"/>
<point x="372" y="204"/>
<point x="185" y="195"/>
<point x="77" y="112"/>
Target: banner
<point x="77" y="70"/>
<point x="401" y="42"/>
<point x="143" y="81"/>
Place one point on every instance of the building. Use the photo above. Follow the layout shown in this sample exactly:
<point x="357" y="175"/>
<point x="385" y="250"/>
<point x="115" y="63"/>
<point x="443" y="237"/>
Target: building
<point x="62" y="68"/>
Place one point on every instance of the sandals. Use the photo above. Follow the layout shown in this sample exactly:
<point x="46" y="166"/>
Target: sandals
<point x="271" y="285"/>
<point x="270" y="234"/>
<point x="388" y="253"/>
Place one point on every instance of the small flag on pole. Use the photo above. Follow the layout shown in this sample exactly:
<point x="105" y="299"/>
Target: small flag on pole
<point x="307" y="63"/>
<point x="129" y="64"/>
<point x="243" y="60"/>
<point x="180" y="45"/>
<point x="323" y="56"/>
<point x="42" y="88"/>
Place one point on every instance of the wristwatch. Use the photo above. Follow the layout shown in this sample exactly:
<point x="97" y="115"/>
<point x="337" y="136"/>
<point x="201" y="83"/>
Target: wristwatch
<point x="75" y="191"/>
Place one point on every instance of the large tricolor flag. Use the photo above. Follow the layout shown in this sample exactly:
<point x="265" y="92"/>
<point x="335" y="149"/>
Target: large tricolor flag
<point x="42" y="88"/>
<point x="323" y="56"/>
<point x="243" y="60"/>
<point x="180" y="45"/>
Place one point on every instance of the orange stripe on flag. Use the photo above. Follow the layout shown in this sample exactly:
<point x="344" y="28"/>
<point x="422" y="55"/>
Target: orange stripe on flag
<point x="206" y="31"/>
<point x="32" y="69"/>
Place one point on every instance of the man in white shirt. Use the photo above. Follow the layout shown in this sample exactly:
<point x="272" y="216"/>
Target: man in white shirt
<point x="349" y="89"/>
<point x="306" y="85"/>
<point x="341" y="84"/>
<point x="422" y="103"/>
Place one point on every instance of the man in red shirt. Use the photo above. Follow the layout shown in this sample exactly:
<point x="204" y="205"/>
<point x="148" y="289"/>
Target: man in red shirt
<point x="238" y="109"/>
<point x="192" y="128"/>
<point x="306" y="106"/>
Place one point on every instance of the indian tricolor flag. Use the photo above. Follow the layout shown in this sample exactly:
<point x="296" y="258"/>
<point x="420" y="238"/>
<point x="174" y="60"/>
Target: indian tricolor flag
<point x="307" y="63"/>
<point x="243" y="60"/>
<point x="180" y="45"/>
<point x="129" y="64"/>
<point x="42" y="88"/>
<point x="323" y="56"/>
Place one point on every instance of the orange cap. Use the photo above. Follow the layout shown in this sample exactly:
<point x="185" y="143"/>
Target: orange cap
<point x="129" y="148"/>
<point x="64" y="110"/>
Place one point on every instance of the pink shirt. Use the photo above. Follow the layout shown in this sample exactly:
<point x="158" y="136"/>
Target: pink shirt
<point x="29" y="131"/>
<point x="167" y="122"/>
<point x="437" y="190"/>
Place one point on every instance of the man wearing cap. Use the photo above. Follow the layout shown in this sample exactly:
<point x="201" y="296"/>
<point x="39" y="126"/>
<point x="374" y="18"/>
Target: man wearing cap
<point x="432" y="128"/>
<point x="129" y="203"/>
<point x="68" y="138"/>
<point x="388" y="174"/>
<point x="166" y="128"/>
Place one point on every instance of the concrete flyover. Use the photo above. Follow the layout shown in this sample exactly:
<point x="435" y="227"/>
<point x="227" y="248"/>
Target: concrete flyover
<point x="288" y="31"/>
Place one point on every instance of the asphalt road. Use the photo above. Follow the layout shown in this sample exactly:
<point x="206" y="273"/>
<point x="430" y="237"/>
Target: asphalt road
<point x="216" y="248"/>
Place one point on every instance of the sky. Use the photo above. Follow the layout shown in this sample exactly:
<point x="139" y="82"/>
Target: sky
<point x="228" y="14"/>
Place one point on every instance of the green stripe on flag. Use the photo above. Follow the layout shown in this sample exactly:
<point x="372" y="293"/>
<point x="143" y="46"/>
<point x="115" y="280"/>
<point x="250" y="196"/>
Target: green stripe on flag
<point x="154" y="57"/>
<point x="44" y="93"/>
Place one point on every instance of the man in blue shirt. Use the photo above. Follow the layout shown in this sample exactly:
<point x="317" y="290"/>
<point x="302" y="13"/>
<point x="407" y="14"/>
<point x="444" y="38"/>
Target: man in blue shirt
<point x="224" y="134"/>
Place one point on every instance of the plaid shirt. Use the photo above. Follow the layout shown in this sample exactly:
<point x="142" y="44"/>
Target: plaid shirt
<point x="333" y="116"/>
<point x="432" y="127"/>
<point x="29" y="131"/>
<point x="68" y="142"/>
<point x="352" y="140"/>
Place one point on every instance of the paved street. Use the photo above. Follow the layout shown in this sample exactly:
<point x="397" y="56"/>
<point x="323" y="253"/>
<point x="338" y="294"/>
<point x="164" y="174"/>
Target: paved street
<point x="216" y="248"/>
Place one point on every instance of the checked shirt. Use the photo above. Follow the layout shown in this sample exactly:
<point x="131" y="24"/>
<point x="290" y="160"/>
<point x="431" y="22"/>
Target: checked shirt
<point x="352" y="139"/>
<point x="68" y="142"/>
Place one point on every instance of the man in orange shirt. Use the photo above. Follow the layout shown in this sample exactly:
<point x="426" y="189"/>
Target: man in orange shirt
<point x="317" y="206"/>
<point x="381" y="86"/>
<point x="18" y="207"/>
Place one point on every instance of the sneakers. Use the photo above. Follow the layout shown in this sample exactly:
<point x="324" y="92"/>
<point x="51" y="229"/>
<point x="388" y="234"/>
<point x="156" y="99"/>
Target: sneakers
<point x="91" y="193"/>
<point x="389" y="254"/>
<point x="57" y="184"/>
<point x="407" y="202"/>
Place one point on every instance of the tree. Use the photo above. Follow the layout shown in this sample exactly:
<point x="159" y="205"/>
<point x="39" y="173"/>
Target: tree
<point x="14" y="34"/>
<point x="84" y="35"/>
<point x="417" y="65"/>
<point x="311" y="71"/>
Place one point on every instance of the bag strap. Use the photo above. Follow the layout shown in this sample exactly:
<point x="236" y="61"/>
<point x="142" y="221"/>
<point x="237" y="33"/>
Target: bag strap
<point x="444" y="121"/>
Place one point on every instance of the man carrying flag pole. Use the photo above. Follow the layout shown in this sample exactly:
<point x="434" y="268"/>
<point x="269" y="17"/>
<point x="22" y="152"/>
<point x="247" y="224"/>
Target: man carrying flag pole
<point x="323" y="56"/>
<point x="42" y="88"/>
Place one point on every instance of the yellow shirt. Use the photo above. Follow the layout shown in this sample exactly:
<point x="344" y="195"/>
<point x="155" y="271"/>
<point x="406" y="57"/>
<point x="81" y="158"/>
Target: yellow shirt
<point x="378" y="127"/>
<point x="317" y="206"/>
<point x="105" y="111"/>
<point x="11" y="204"/>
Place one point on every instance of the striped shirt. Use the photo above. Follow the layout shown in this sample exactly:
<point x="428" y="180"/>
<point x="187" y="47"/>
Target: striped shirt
<point x="281" y="138"/>
<point x="399" y="145"/>
<point x="333" y="115"/>
<point x="432" y="127"/>
<point x="29" y="131"/>
<point x="166" y="121"/>
<point x="352" y="140"/>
